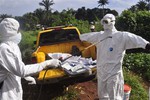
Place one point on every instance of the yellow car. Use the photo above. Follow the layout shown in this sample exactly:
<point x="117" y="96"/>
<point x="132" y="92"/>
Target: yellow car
<point x="60" y="39"/>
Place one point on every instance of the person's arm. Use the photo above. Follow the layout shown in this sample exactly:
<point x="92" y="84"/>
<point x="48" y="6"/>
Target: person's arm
<point x="134" y="41"/>
<point x="14" y="65"/>
<point x="92" y="37"/>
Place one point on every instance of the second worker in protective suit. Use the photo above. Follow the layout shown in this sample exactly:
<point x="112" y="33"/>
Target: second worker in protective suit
<point x="12" y="68"/>
<point x="111" y="45"/>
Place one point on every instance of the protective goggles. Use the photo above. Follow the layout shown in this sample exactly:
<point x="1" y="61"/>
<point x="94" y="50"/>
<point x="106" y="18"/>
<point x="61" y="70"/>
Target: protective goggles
<point x="107" y="21"/>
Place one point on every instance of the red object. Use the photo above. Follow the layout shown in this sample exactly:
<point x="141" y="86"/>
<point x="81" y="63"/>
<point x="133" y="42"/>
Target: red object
<point x="127" y="88"/>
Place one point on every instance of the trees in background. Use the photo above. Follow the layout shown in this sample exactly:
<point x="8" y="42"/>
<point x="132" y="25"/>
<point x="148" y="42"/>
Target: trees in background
<point x="141" y="6"/>
<point x="92" y="14"/>
<point x="47" y="11"/>
<point x="83" y="16"/>
<point x="103" y="3"/>
<point x="45" y="16"/>
<point x="2" y="16"/>
<point x="47" y="4"/>
<point x="65" y="17"/>
<point x="137" y="23"/>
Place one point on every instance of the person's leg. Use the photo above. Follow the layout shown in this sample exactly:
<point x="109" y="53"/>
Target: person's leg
<point x="115" y="87"/>
<point x="102" y="90"/>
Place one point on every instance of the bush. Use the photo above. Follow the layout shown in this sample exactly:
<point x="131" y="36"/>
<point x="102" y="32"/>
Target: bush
<point x="138" y="63"/>
<point x="126" y="21"/>
<point x="27" y="45"/>
<point x="143" y="29"/>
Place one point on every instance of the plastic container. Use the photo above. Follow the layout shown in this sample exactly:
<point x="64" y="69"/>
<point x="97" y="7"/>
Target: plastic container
<point x="127" y="91"/>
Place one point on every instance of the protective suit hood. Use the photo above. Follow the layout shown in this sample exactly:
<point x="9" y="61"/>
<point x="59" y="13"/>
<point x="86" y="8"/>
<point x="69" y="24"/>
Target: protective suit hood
<point x="9" y="30"/>
<point x="108" y="22"/>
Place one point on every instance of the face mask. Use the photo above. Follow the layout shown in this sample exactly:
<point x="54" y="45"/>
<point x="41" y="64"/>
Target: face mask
<point x="16" y="38"/>
<point x="108" y="27"/>
<point x="108" y="24"/>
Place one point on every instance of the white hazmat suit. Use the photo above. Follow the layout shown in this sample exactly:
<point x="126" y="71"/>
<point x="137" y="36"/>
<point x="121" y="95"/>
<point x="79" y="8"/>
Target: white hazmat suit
<point x="11" y="64"/>
<point x="111" y="45"/>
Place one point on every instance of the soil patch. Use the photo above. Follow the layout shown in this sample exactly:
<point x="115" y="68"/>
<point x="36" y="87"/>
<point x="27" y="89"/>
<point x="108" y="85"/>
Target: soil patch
<point x="86" y="90"/>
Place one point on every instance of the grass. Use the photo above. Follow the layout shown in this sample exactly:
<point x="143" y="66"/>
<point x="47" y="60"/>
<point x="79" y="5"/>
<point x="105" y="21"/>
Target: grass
<point x="139" y="89"/>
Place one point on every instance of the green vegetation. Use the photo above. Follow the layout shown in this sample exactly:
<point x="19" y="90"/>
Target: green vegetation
<point x="136" y="23"/>
<point x="47" y="17"/>
<point x="138" y="63"/>
<point x="137" y="73"/>
<point x="139" y="89"/>
<point x="27" y="45"/>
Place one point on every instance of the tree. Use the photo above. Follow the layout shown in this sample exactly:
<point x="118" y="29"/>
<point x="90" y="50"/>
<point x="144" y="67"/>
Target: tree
<point x="126" y="21"/>
<point x="135" y="22"/>
<point x="81" y="14"/>
<point x="148" y="4"/>
<point x="46" y="16"/>
<point x="39" y="13"/>
<point x="102" y="3"/>
<point x="133" y="8"/>
<point x="142" y="5"/>
<point x="148" y="1"/>
<point x="2" y="16"/>
<point x="30" y="21"/>
<point x="47" y="4"/>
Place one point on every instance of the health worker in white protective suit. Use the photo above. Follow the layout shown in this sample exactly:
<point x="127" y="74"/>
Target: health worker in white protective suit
<point x="12" y="68"/>
<point x="111" y="45"/>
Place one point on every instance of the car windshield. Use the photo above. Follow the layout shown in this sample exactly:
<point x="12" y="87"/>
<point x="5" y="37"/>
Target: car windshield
<point x="57" y="36"/>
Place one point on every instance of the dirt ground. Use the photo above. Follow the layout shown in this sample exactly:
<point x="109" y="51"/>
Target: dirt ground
<point x="87" y="90"/>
